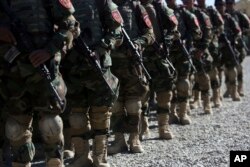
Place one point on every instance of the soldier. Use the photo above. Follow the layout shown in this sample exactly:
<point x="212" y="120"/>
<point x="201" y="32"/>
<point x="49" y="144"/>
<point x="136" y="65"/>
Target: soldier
<point x="202" y="57"/>
<point x="218" y="25"/>
<point x="188" y="26"/>
<point x="24" y="88"/>
<point x="88" y="98"/>
<point x="244" y="24"/>
<point x="133" y="84"/>
<point x="163" y="21"/>
<point x="232" y="31"/>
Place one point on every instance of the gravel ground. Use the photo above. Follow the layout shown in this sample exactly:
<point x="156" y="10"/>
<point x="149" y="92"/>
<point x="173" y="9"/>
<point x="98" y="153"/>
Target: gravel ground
<point x="205" y="143"/>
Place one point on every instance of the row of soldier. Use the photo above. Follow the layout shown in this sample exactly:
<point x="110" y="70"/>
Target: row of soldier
<point x="50" y="50"/>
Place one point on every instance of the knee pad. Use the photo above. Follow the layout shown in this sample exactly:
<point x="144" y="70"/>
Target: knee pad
<point x="215" y="84"/>
<point x="204" y="82"/>
<point x="183" y="87"/>
<point x="163" y="99"/>
<point x="17" y="129"/>
<point x="79" y="123"/>
<point x="51" y="127"/>
<point x="133" y="106"/>
<point x="100" y="117"/>
<point x="196" y="86"/>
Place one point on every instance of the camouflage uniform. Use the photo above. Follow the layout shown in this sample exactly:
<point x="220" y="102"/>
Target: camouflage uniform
<point x="218" y="26"/>
<point x="232" y="31"/>
<point x="244" y="24"/>
<point x="23" y="88"/>
<point x="88" y="99"/>
<point x="188" y="26"/>
<point x="202" y="58"/>
<point x="133" y="86"/>
<point x="158" y="67"/>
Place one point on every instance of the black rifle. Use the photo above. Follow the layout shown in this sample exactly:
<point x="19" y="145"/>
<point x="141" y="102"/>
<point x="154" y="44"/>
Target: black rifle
<point x="223" y="38"/>
<point x="166" y="45"/>
<point x="135" y="53"/>
<point x="185" y="52"/>
<point x="26" y="45"/>
<point x="83" y="49"/>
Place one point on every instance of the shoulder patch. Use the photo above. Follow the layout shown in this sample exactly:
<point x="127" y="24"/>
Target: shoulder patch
<point x="196" y="22"/>
<point x="66" y="3"/>
<point x="117" y="16"/>
<point x="147" y="20"/>
<point x="174" y="19"/>
<point x="208" y="22"/>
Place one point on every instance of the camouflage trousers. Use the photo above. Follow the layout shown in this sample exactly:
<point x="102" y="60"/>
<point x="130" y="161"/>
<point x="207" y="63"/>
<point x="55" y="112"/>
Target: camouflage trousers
<point x="24" y="92"/>
<point x="133" y="88"/>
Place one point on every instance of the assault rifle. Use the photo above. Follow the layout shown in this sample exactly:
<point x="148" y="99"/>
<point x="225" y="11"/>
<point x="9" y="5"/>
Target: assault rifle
<point x="185" y="52"/>
<point x="135" y="53"/>
<point x="25" y="45"/>
<point x="223" y="38"/>
<point x="83" y="49"/>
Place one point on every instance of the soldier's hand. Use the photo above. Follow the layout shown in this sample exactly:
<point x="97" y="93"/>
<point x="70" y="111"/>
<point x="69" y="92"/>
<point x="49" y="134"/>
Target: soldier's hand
<point x="39" y="57"/>
<point x="7" y="36"/>
<point x="198" y="54"/>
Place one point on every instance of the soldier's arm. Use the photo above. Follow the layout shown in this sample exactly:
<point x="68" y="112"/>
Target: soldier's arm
<point x="244" y="22"/>
<point x="206" y="28"/>
<point x="170" y="21"/>
<point x="147" y="38"/>
<point x="235" y="28"/>
<point x="216" y="19"/>
<point x="113" y="22"/>
<point x="67" y="26"/>
<point x="192" y="24"/>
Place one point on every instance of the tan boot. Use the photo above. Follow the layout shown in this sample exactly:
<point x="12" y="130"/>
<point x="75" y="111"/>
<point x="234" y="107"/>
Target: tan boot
<point x="184" y="118"/>
<point x="234" y="93"/>
<point x="100" y="151"/>
<point x="135" y="144"/>
<point x="144" y="132"/>
<point x="82" y="156"/>
<point x="216" y="98"/>
<point x="163" y="125"/>
<point x="119" y="145"/>
<point x="173" y="117"/>
<point x="69" y="151"/>
<point x="240" y="88"/>
<point x="196" y="103"/>
<point x="227" y="93"/>
<point x="206" y="104"/>
<point x="16" y="164"/>
<point x="54" y="162"/>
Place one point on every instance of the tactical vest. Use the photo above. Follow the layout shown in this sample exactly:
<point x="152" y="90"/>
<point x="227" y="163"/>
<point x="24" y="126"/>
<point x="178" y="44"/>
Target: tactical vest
<point x="35" y="17"/>
<point x="228" y="26"/>
<point x="88" y="16"/>
<point x="128" y="14"/>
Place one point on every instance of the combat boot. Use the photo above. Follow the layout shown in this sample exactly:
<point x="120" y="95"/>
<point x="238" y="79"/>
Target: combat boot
<point x="206" y="104"/>
<point x="69" y="151"/>
<point x="163" y="126"/>
<point x="227" y="93"/>
<point x="234" y="93"/>
<point x="196" y="103"/>
<point x="17" y="164"/>
<point x="100" y="151"/>
<point x="119" y="145"/>
<point x="82" y="156"/>
<point x="173" y="117"/>
<point x="144" y="127"/>
<point x="54" y="162"/>
<point x="216" y="98"/>
<point x="135" y="144"/>
<point x="184" y="118"/>
<point x="240" y="88"/>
